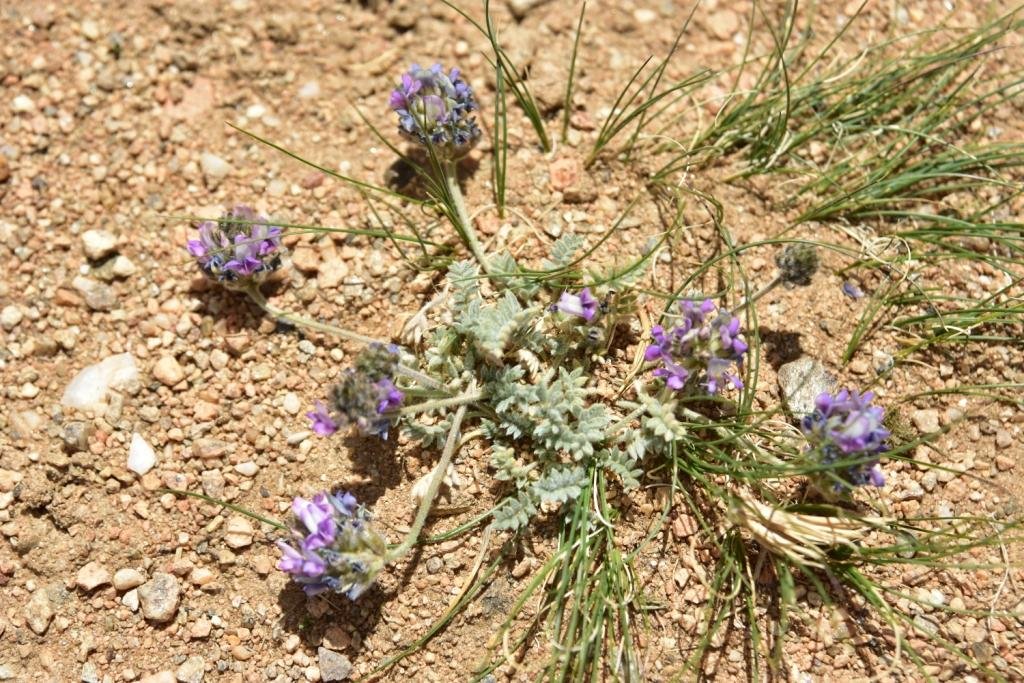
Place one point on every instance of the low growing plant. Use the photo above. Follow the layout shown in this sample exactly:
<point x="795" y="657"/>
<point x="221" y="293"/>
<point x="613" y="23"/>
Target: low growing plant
<point x="514" y="354"/>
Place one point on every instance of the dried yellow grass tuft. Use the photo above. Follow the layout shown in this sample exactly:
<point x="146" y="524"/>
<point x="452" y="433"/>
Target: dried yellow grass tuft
<point x="802" y="538"/>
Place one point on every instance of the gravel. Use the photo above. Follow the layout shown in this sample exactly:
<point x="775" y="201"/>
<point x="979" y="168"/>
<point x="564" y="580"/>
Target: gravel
<point x="10" y="316"/>
<point x="926" y="421"/>
<point x="92" y="575"/>
<point x="168" y="371"/>
<point x="39" y="611"/>
<point x="141" y="456"/>
<point x="98" y="244"/>
<point x="159" y="597"/>
<point x="128" y="578"/>
<point x="88" y="390"/>
<point x="333" y="666"/>
<point x="801" y="382"/>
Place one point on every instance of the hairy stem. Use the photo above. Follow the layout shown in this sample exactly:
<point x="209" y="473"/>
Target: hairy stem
<point x="256" y="295"/>
<point x="435" y="486"/>
<point x="624" y="422"/>
<point x="757" y="295"/>
<point x="280" y="314"/>
<point x="465" y="226"/>
<point x="461" y="400"/>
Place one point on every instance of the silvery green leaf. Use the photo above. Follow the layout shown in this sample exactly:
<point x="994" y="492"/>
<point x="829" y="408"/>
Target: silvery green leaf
<point x="621" y="465"/>
<point x="503" y="460"/>
<point x="514" y="513"/>
<point x="560" y="484"/>
<point x="563" y="251"/>
<point x="508" y="274"/>
<point x="661" y="420"/>
<point x="464" y="278"/>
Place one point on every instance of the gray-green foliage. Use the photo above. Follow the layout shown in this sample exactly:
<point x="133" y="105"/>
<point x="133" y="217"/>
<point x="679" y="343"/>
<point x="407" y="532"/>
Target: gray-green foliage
<point x="540" y="414"/>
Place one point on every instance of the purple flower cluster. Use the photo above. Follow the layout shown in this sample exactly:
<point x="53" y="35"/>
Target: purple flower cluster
<point x="238" y="249"/>
<point x="704" y="343"/>
<point x="364" y="396"/>
<point x="846" y="428"/>
<point x="332" y="547"/>
<point x="434" y="109"/>
<point x="583" y="305"/>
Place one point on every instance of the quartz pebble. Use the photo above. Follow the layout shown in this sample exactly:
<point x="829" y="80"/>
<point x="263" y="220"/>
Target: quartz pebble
<point x="168" y="371"/>
<point x="98" y="295"/>
<point x="926" y="421"/>
<point x="247" y="468"/>
<point x="39" y="611"/>
<point x="141" y="456"/>
<point x="23" y="104"/>
<point x="89" y="388"/>
<point x="801" y="382"/>
<point x="128" y="578"/>
<point x="159" y="597"/>
<point x="333" y="665"/>
<point x="92" y="575"/>
<point x="10" y="317"/>
<point x="291" y="404"/>
<point x="723" y="24"/>
<point x="214" y="168"/>
<point x="131" y="600"/>
<point x="238" y="532"/>
<point x="98" y="244"/>
<point x="191" y="670"/>
<point x="201" y="628"/>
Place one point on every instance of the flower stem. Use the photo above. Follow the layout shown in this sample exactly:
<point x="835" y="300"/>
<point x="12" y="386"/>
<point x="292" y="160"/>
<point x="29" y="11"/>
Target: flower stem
<point x="624" y="422"/>
<point x="280" y="314"/>
<point x="435" y="486"/>
<point x="256" y="295"/>
<point x="464" y="399"/>
<point x="465" y="223"/>
<point x="757" y="295"/>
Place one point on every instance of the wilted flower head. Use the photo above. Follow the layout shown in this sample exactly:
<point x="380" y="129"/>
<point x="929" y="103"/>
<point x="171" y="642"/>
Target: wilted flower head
<point x="583" y="304"/>
<point x="797" y="264"/>
<point x="363" y="397"/>
<point x="331" y="546"/>
<point x="705" y="343"/>
<point x="434" y="108"/>
<point x="238" y="249"/>
<point x="845" y="427"/>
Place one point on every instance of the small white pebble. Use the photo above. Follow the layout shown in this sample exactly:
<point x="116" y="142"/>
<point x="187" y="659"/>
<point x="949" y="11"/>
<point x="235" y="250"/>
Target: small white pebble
<point x="247" y="468"/>
<point x="131" y="600"/>
<point x="141" y="457"/>
<point x="22" y="103"/>
<point x="10" y="317"/>
<point x="291" y="404"/>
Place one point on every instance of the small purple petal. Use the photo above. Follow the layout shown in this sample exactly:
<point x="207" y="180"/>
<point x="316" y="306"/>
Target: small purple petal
<point x="582" y="305"/>
<point x="851" y="290"/>
<point x="323" y="423"/>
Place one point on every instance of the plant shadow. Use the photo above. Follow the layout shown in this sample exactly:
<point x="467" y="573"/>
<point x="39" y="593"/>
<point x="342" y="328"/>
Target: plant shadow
<point x="235" y="310"/>
<point x="780" y="347"/>
<point x="404" y="175"/>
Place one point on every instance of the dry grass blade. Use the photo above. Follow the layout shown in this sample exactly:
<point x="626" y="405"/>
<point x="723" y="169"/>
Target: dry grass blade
<point x="799" y="537"/>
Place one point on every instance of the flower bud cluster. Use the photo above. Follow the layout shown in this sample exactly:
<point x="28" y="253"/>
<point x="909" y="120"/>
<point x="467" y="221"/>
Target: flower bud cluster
<point x="332" y="547"/>
<point x="846" y="428"/>
<point x="705" y="343"/>
<point x="363" y="397"/>
<point x="434" y="109"/>
<point x="239" y="249"/>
